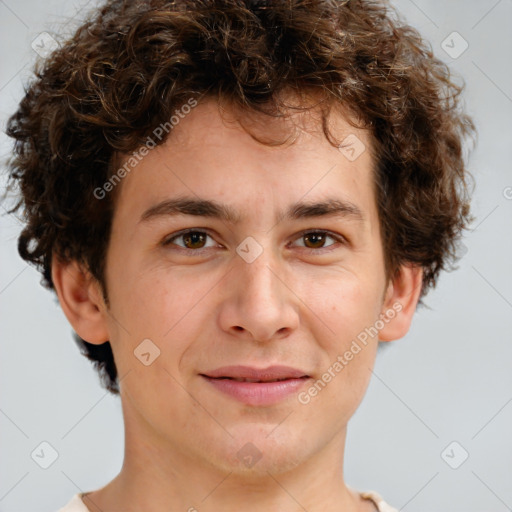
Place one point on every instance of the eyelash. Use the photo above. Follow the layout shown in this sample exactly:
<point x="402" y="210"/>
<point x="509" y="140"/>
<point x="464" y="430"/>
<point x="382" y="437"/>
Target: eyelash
<point x="339" y="238"/>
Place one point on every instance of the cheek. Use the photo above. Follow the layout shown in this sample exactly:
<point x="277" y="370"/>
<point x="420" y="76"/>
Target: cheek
<point x="343" y="305"/>
<point x="154" y="325"/>
<point x="155" y="302"/>
<point x="348" y="311"/>
<point x="164" y="307"/>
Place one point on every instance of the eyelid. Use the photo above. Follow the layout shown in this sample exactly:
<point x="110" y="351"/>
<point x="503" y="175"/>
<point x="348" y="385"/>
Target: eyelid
<point x="336" y="236"/>
<point x="168" y="239"/>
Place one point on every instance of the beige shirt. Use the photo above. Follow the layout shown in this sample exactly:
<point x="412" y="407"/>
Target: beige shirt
<point x="77" y="505"/>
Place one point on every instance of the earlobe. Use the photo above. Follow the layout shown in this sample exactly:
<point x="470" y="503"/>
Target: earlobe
<point x="81" y="300"/>
<point x="400" y="302"/>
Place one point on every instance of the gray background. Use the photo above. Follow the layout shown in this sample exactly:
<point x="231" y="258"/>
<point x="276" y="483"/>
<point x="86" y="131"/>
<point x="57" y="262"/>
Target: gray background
<point x="448" y="380"/>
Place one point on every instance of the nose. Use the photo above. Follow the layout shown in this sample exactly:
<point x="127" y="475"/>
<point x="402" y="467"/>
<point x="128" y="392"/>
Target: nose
<point x="259" y="303"/>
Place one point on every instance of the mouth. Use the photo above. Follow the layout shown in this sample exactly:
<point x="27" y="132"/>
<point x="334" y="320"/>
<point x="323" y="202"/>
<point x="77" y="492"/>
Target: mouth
<point x="257" y="387"/>
<point x="252" y="374"/>
<point x="241" y="379"/>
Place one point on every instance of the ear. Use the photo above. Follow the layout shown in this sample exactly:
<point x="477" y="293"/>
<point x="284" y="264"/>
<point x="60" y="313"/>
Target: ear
<point x="400" y="302"/>
<point x="81" y="300"/>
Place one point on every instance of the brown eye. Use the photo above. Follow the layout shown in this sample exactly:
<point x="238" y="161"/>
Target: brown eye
<point x="315" y="240"/>
<point x="192" y="240"/>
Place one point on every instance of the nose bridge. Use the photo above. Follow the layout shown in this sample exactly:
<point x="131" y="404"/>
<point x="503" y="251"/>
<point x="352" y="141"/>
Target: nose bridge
<point x="260" y="278"/>
<point x="259" y="302"/>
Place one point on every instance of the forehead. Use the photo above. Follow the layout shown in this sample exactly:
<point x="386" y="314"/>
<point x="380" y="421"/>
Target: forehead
<point x="210" y="156"/>
<point x="296" y="133"/>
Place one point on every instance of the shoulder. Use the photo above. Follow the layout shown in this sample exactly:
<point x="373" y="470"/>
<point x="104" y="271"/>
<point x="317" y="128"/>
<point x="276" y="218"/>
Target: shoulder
<point x="379" y="502"/>
<point x="74" y="505"/>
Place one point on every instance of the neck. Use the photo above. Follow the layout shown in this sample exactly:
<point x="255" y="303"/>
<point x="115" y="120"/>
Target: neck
<point x="158" y="477"/>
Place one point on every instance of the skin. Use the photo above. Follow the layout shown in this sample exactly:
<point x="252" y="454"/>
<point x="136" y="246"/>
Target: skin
<point x="299" y="303"/>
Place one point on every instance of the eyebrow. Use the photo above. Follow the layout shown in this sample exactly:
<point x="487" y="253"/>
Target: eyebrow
<point x="330" y="207"/>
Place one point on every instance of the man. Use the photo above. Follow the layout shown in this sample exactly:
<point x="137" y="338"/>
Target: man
<point x="235" y="202"/>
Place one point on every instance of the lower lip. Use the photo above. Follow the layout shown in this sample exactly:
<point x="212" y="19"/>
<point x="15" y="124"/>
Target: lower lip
<point x="258" y="393"/>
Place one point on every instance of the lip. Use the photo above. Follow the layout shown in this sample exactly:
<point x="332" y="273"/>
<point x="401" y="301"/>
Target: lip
<point x="267" y="391"/>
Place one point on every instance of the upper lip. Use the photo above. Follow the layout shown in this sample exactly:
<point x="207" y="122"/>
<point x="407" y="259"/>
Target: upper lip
<point x="270" y="373"/>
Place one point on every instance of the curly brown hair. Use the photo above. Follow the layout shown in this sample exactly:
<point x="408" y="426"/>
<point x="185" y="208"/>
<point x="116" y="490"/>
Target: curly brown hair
<point x="132" y="63"/>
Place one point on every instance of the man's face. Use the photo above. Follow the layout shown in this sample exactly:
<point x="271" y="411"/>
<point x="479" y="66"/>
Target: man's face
<point x="255" y="293"/>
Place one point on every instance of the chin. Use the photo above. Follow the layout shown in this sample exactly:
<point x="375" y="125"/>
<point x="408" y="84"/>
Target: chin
<point x="254" y="451"/>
